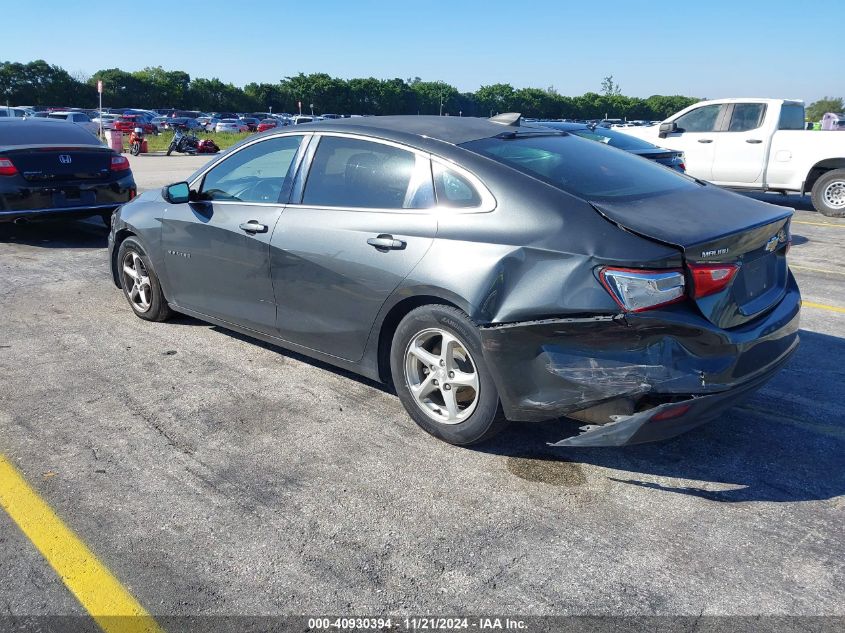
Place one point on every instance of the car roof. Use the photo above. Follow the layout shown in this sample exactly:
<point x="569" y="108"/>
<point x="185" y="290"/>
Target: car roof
<point x="413" y="129"/>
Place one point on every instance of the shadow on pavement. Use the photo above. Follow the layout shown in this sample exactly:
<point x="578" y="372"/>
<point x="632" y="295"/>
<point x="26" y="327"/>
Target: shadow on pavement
<point x="88" y="233"/>
<point x="785" y="444"/>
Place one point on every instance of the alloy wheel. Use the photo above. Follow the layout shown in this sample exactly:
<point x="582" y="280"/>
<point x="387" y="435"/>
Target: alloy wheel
<point x="136" y="282"/>
<point x="441" y="376"/>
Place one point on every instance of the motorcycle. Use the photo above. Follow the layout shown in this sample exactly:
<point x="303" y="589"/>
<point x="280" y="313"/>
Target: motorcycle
<point x="186" y="142"/>
<point x="136" y="141"/>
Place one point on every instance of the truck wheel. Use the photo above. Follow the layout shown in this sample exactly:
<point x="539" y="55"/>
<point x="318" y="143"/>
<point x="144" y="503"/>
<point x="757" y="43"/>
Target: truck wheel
<point x="828" y="194"/>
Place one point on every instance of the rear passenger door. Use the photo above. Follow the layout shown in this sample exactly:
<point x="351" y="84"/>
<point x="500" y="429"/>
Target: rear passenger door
<point x="359" y="220"/>
<point x="742" y="147"/>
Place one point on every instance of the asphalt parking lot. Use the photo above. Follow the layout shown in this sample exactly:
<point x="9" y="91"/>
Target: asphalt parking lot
<point x="212" y="474"/>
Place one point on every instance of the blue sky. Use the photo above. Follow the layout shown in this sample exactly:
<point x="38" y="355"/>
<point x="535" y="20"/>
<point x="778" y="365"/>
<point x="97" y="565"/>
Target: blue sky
<point x="697" y="48"/>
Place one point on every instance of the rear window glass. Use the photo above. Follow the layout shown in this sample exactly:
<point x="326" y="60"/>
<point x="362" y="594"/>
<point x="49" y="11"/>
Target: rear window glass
<point x="581" y="167"/>
<point x="791" y="117"/>
<point x="45" y="133"/>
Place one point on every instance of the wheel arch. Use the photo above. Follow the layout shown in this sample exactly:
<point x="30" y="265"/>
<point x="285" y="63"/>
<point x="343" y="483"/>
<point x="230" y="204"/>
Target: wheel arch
<point x="119" y="237"/>
<point x="821" y="168"/>
<point x="394" y="315"/>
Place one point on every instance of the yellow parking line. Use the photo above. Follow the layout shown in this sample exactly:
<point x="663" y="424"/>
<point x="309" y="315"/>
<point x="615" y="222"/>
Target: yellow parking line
<point x="821" y="306"/>
<point x="112" y="607"/>
<point x="817" y="270"/>
<point x="838" y="226"/>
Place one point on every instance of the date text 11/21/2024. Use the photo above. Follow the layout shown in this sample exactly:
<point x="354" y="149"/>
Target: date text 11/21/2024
<point x="417" y="624"/>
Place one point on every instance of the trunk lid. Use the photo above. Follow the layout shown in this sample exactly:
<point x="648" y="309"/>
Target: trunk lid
<point x="62" y="163"/>
<point x="713" y="226"/>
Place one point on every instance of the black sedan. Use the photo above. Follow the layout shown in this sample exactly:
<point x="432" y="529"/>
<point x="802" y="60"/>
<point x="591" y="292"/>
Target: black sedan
<point x="51" y="169"/>
<point x="669" y="157"/>
<point x="489" y="272"/>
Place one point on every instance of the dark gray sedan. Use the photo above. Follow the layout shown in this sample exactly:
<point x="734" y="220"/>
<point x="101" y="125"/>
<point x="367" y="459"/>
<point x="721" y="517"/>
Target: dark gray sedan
<point x="488" y="271"/>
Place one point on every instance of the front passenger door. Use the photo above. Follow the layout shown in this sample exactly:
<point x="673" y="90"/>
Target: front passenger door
<point x="217" y="247"/>
<point x="695" y="136"/>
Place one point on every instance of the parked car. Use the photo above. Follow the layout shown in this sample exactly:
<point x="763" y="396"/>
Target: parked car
<point x="106" y="119"/>
<point x="51" y="169"/>
<point x="268" y="124"/>
<point x="186" y="123"/>
<point x="160" y="122"/>
<point x="614" y="138"/>
<point x="78" y="118"/>
<point x="231" y="125"/>
<point x="757" y="145"/>
<point x="487" y="271"/>
<point x="251" y="123"/>
<point x="12" y="113"/>
<point x="300" y="119"/>
<point x="129" y="122"/>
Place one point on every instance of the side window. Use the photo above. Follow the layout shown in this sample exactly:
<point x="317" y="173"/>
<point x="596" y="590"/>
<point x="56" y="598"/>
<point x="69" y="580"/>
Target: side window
<point x="348" y="172"/>
<point x="257" y="173"/>
<point x="701" y="119"/>
<point x="791" y="117"/>
<point x="453" y="190"/>
<point x="747" y="116"/>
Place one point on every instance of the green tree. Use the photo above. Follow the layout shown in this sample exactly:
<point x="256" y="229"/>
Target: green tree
<point x="610" y="88"/>
<point x="434" y="96"/>
<point x="495" y="99"/>
<point x="816" y="110"/>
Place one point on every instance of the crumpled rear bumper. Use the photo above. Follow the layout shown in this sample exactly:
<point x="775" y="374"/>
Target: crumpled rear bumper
<point x="552" y="368"/>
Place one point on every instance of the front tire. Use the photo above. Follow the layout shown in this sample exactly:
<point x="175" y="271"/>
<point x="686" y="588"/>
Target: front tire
<point x="828" y="194"/>
<point x="140" y="283"/>
<point x="170" y="149"/>
<point x="135" y="150"/>
<point x="441" y="377"/>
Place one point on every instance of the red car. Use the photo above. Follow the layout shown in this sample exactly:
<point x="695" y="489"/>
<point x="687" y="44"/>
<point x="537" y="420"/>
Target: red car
<point x="129" y="122"/>
<point x="267" y="124"/>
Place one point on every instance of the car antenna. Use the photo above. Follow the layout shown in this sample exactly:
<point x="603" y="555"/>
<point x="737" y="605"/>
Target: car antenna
<point x="510" y="119"/>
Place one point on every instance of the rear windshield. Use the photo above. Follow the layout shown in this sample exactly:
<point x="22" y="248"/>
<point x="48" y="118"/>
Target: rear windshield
<point x="48" y="132"/>
<point x="584" y="168"/>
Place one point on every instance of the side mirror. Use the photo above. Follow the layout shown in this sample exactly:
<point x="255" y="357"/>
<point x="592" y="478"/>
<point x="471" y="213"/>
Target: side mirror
<point x="177" y="193"/>
<point x="667" y="128"/>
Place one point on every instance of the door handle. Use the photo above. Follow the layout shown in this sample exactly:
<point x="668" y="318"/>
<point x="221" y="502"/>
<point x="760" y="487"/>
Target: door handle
<point x="253" y="226"/>
<point x="386" y="242"/>
<point x="755" y="141"/>
<point x="705" y="140"/>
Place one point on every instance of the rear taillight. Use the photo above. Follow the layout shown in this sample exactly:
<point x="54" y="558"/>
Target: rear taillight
<point x="670" y="413"/>
<point x="637" y="289"/>
<point x="7" y="167"/>
<point x="119" y="163"/>
<point x="708" y="279"/>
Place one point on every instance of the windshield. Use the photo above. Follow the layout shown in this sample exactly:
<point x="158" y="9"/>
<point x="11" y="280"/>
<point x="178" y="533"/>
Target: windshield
<point x="581" y="167"/>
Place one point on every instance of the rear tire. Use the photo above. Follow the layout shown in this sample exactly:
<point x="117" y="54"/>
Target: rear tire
<point x="441" y="377"/>
<point x="828" y="194"/>
<point x="140" y="283"/>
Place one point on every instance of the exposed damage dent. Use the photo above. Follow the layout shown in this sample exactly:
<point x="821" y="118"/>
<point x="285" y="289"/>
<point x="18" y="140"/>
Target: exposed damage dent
<point x="618" y="364"/>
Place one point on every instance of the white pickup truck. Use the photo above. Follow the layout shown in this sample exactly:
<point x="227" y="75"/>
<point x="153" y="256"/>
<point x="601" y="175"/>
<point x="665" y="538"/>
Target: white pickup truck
<point x="756" y="144"/>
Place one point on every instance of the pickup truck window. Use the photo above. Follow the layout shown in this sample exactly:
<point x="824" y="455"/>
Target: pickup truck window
<point x="747" y="116"/>
<point x="701" y="119"/>
<point x="791" y="117"/>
